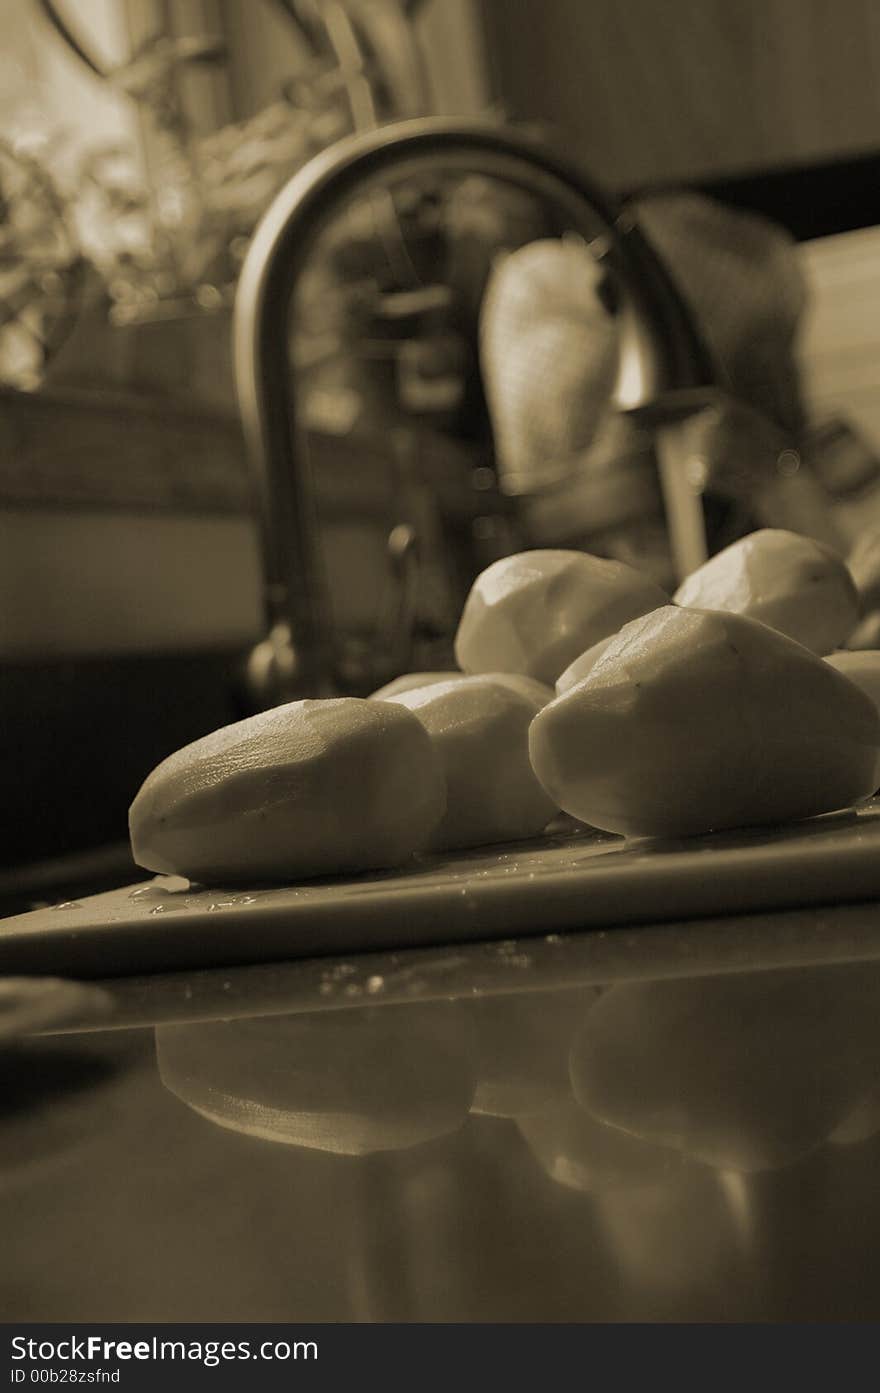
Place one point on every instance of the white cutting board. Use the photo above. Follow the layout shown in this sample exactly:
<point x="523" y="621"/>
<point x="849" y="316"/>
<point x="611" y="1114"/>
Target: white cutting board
<point x="571" y="881"/>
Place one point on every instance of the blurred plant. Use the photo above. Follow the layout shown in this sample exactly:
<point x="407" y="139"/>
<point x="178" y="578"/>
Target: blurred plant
<point x="168" y="240"/>
<point x="41" y="268"/>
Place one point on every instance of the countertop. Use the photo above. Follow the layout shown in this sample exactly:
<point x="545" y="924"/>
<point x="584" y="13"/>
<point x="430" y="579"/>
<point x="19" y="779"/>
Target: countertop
<point x="664" y="1123"/>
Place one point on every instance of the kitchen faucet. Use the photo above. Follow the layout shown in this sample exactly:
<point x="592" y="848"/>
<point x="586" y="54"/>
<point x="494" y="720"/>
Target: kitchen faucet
<point x="665" y="369"/>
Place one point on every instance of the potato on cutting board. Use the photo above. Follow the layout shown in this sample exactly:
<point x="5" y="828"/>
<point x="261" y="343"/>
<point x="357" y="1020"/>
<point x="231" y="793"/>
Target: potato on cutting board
<point x="479" y="727"/>
<point x="863" y="668"/>
<point x="794" y="584"/>
<point x="693" y="720"/>
<point x="863" y="562"/>
<point x="669" y="719"/>
<point x="535" y="612"/>
<point x="409" y="681"/>
<point x="311" y="788"/>
<point x="582" y="666"/>
<point x="866" y="635"/>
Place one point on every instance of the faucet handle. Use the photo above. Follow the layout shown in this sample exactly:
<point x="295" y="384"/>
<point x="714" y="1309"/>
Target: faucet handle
<point x="404" y="558"/>
<point x="271" y="675"/>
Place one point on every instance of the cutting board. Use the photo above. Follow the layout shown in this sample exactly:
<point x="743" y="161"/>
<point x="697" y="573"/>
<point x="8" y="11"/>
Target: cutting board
<point x="572" y="880"/>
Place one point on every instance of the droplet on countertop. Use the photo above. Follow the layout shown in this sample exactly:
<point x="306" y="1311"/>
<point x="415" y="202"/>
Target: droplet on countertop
<point x="68" y="904"/>
<point x="163" y="886"/>
<point x="375" y="984"/>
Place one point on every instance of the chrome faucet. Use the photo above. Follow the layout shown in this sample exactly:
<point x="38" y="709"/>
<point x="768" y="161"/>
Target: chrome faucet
<point x="666" y="372"/>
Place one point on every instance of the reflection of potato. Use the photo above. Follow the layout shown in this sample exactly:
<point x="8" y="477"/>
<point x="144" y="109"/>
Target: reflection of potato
<point x="664" y="1218"/>
<point x="351" y="1082"/>
<point x="748" y="1072"/>
<point x="522" y="1045"/>
<point x="582" y="1153"/>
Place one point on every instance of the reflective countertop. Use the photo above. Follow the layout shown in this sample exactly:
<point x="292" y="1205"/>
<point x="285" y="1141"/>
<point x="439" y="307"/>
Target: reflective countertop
<point x="677" y="1122"/>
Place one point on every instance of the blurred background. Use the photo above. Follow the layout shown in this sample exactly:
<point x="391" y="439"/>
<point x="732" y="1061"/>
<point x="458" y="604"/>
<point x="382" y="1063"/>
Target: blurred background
<point x="453" y="381"/>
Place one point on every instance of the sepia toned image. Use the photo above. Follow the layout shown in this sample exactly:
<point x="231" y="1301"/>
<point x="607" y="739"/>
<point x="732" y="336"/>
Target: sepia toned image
<point x="439" y="673"/>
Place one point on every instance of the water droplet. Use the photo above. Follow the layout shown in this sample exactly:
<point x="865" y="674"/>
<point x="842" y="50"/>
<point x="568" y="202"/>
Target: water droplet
<point x="158" y="909"/>
<point x="327" y="989"/>
<point x="375" y="984"/>
<point x="163" y="887"/>
<point x="68" y="904"/>
<point x="553" y="938"/>
<point x="352" y="989"/>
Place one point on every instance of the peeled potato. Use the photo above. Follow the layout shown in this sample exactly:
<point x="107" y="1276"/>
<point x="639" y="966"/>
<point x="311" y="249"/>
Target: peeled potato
<point x="794" y="584"/>
<point x="528" y="687"/>
<point x="863" y="668"/>
<point x="535" y="612"/>
<point x="409" y="680"/>
<point x="864" y="567"/>
<point x="310" y="788"/>
<point x="694" y="720"/>
<point x="480" y="730"/>
<point x="582" y="666"/>
<point x="866" y="634"/>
